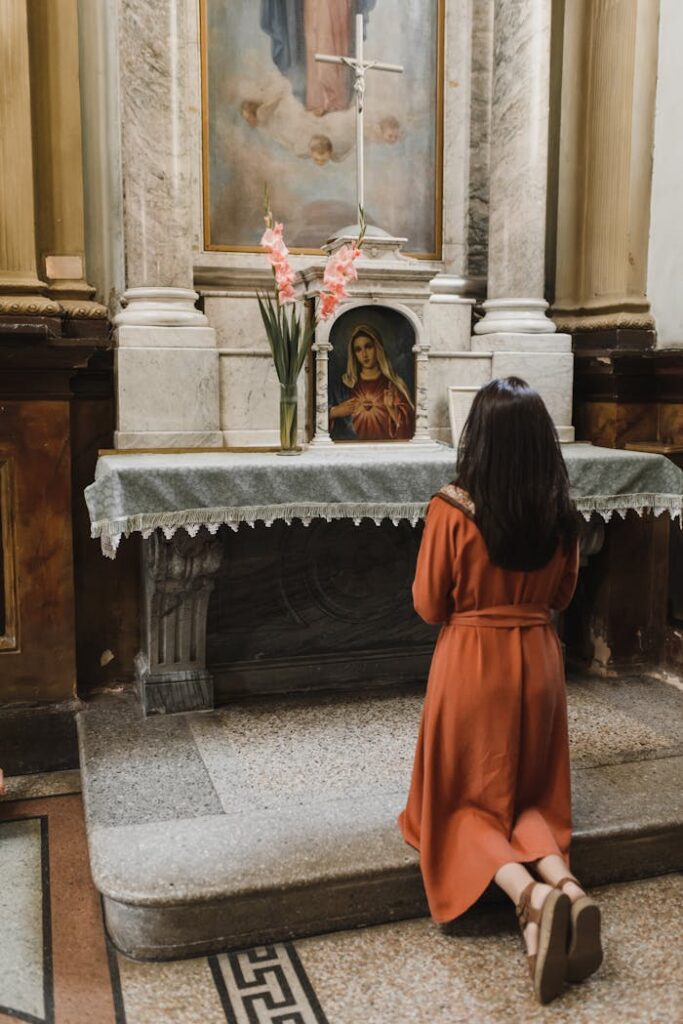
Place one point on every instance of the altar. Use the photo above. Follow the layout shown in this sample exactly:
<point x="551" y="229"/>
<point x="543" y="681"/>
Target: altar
<point x="342" y="593"/>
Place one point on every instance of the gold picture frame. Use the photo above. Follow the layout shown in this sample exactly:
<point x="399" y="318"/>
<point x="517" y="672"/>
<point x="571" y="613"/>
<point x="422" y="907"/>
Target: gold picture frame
<point x="233" y="175"/>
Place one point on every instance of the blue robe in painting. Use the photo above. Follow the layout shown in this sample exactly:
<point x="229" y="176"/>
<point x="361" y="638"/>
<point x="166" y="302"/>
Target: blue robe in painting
<point x="283" y="21"/>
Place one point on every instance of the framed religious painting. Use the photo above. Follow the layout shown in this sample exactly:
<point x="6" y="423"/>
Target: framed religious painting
<point x="371" y="376"/>
<point x="274" y="116"/>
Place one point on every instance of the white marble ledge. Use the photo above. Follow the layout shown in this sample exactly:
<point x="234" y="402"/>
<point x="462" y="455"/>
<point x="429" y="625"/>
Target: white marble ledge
<point x="153" y="336"/>
<point x="509" y="342"/>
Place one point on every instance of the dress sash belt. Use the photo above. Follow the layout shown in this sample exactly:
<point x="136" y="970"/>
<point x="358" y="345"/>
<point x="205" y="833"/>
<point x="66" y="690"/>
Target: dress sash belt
<point x="504" y="616"/>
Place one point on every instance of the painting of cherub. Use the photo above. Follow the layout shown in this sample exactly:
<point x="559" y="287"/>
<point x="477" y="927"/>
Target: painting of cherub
<point x="371" y="378"/>
<point x="273" y="114"/>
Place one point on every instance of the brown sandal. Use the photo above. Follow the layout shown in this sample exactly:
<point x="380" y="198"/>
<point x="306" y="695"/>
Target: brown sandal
<point x="548" y="966"/>
<point x="584" y="953"/>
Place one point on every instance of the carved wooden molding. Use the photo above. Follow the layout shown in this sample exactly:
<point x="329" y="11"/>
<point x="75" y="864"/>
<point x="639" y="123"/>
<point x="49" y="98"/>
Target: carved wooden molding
<point x="28" y="305"/>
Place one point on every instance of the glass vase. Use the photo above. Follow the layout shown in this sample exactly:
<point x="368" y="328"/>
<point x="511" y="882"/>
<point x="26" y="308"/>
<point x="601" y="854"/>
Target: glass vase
<point x="289" y="409"/>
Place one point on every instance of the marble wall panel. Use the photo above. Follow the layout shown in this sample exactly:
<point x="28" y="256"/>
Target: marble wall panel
<point x="550" y="373"/>
<point x="250" y="399"/>
<point x="236" y="320"/>
<point x="448" y="323"/>
<point x="464" y="370"/>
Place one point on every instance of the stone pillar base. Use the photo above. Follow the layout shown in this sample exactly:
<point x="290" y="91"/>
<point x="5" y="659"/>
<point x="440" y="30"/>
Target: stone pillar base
<point x="178" y="577"/>
<point x="173" y="693"/>
<point x="523" y="316"/>
<point x="160" y="307"/>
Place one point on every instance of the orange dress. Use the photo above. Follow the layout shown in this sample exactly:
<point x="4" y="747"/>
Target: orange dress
<point x="490" y="781"/>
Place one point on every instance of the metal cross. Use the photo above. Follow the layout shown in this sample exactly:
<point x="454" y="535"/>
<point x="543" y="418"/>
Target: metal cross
<point x="359" y="66"/>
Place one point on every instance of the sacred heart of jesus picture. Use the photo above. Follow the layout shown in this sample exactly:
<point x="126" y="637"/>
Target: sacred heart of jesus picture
<point x="274" y="115"/>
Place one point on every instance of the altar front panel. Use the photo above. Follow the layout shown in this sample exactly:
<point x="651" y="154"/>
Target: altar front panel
<point x="318" y="607"/>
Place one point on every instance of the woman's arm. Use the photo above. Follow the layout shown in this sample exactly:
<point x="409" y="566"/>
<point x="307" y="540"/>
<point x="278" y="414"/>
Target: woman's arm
<point x="567" y="585"/>
<point x="434" y="575"/>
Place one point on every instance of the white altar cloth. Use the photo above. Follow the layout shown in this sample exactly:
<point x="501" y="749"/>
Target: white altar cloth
<point x="139" y="493"/>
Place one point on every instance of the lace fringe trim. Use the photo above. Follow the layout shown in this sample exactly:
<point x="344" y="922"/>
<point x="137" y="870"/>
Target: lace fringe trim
<point x="110" y="531"/>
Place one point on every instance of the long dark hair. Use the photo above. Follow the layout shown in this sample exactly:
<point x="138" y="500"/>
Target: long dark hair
<point x="510" y="463"/>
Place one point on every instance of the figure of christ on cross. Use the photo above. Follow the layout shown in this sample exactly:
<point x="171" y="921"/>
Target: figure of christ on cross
<point x="359" y="66"/>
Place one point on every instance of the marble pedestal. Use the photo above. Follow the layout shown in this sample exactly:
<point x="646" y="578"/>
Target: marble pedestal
<point x="545" y="361"/>
<point x="167" y="385"/>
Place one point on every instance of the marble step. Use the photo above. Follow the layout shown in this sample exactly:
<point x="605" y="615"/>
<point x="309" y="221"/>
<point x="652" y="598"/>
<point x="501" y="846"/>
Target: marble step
<point x="275" y="818"/>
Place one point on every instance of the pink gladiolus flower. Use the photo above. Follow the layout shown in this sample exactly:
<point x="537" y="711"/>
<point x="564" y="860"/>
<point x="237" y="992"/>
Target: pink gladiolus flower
<point x="346" y="256"/>
<point x="286" y="293"/>
<point x="339" y="269"/>
<point x="283" y="269"/>
<point x="277" y="252"/>
<point x="275" y="259"/>
<point x="272" y="236"/>
<point x="285" y="281"/>
<point x="333" y="276"/>
<point x="338" y="289"/>
<point x="328" y="304"/>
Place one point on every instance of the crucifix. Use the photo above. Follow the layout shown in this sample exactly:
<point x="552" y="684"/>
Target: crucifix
<point x="359" y="66"/>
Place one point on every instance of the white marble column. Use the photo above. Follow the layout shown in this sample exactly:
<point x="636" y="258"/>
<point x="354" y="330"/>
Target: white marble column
<point x="516" y="332"/>
<point x="167" y="361"/>
<point x="519" y="167"/>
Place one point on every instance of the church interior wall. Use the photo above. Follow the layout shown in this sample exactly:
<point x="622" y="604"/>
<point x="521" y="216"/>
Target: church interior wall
<point x="626" y="392"/>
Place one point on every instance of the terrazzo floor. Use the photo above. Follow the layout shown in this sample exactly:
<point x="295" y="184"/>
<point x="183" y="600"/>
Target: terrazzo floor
<point x="57" y="967"/>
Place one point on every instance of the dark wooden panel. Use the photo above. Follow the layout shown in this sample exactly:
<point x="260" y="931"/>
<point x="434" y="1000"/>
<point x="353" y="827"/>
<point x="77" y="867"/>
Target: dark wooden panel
<point x="9" y="608"/>
<point x="619" y="614"/>
<point x="328" y="605"/>
<point x="35" y="435"/>
<point x="106" y="592"/>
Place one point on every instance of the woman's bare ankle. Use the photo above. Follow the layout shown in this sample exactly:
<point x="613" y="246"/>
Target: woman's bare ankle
<point x="573" y="890"/>
<point x="539" y="894"/>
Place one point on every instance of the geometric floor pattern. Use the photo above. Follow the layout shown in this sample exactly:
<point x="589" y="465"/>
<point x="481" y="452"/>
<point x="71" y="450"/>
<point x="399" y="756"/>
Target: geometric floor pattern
<point x="57" y="967"/>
